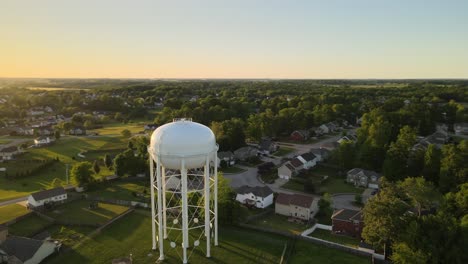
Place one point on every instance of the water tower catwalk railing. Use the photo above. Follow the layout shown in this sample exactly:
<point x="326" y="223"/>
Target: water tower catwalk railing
<point x="184" y="204"/>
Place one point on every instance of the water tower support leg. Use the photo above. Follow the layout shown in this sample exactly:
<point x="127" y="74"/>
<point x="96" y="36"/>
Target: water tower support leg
<point x="185" y="241"/>
<point x="216" y="200"/>
<point x="207" y="206"/>
<point x="153" y="214"/>
<point x="160" y="225"/>
<point x="163" y="176"/>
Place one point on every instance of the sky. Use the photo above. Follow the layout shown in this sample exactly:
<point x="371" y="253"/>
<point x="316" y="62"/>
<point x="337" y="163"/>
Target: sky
<point x="327" y="39"/>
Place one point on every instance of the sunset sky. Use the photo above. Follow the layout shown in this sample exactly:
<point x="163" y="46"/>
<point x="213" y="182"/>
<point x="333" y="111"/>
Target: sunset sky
<point x="234" y="39"/>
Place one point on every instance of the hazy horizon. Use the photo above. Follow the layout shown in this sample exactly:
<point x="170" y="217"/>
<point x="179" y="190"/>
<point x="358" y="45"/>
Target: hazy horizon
<point x="389" y="40"/>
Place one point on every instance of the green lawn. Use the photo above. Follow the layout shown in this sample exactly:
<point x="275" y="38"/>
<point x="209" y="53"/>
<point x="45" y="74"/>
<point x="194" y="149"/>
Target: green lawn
<point x="114" y="129"/>
<point x="65" y="149"/>
<point x="306" y="252"/>
<point x="79" y="212"/>
<point x="132" y="235"/>
<point x="340" y="239"/>
<point x="4" y="141"/>
<point x="10" y="212"/>
<point x="279" y="222"/>
<point x="123" y="191"/>
<point x="334" y="183"/>
<point x="232" y="169"/>
<point x="69" y="235"/>
<point x="282" y="151"/>
<point x="28" y="226"/>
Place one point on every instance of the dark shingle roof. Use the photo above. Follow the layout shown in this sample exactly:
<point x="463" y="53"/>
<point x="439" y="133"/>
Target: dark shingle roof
<point x="9" y="149"/>
<point x="21" y="247"/>
<point x="289" y="166"/>
<point x="308" y="156"/>
<point x="296" y="162"/>
<point x="48" y="193"/>
<point x="347" y="215"/>
<point x="258" y="191"/>
<point x="295" y="199"/>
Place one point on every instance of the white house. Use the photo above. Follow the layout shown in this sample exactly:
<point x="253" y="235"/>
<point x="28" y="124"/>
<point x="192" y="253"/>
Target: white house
<point x="38" y="199"/>
<point x="349" y="138"/>
<point x="227" y="156"/>
<point x="308" y="159"/>
<point x="286" y="171"/>
<point x="260" y="197"/>
<point x="14" y="249"/>
<point x="363" y="178"/>
<point x="42" y="141"/>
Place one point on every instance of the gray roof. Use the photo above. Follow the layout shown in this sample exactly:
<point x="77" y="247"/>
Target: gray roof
<point x="320" y="151"/>
<point x="265" y="144"/>
<point x="21" y="247"/>
<point x="225" y="154"/>
<point x="48" y="193"/>
<point x="367" y="173"/>
<point x="258" y="191"/>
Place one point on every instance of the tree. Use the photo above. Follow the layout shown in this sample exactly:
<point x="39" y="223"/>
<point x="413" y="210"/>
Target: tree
<point x="126" y="133"/>
<point x="57" y="134"/>
<point x="398" y="155"/>
<point x="130" y="145"/>
<point x="81" y="173"/>
<point x="107" y="161"/>
<point x="384" y="217"/>
<point x="432" y="164"/>
<point x="420" y="192"/>
<point x="96" y="167"/>
<point x="345" y="154"/>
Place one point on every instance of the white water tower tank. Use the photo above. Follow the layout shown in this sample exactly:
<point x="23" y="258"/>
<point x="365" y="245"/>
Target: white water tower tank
<point x="182" y="139"/>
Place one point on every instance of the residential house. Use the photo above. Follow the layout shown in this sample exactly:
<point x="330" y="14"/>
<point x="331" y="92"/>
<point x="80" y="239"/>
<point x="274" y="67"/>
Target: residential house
<point x="19" y="250"/>
<point x="441" y="127"/>
<point x="438" y="139"/>
<point x="321" y="153"/>
<point x="260" y="197"/>
<point x="41" y="198"/>
<point x="227" y="156"/>
<point x="349" y="222"/>
<point x="308" y="160"/>
<point x="329" y="127"/>
<point x="41" y="141"/>
<point x="78" y="131"/>
<point x="300" y="135"/>
<point x="347" y="138"/>
<point x="9" y="153"/>
<point x="461" y="128"/>
<point x="296" y="205"/>
<point x="267" y="146"/>
<point x="244" y="153"/>
<point x="286" y="171"/>
<point x="363" y="178"/>
<point x="151" y="126"/>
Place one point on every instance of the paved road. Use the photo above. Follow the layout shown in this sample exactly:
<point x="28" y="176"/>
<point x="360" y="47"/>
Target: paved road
<point x="248" y="177"/>
<point x="14" y="142"/>
<point x="13" y="201"/>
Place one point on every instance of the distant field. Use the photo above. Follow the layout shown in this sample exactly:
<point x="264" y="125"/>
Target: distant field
<point x="132" y="235"/>
<point x="123" y="191"/>
<point x="115" y="129"/>
<point x="55" y="88"/>
<point x="10" y="212"/>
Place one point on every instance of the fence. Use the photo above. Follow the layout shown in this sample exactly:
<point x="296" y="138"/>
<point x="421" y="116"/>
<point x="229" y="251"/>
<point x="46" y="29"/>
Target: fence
<point x="13" y="221"/>
<point x="119" y="202"/>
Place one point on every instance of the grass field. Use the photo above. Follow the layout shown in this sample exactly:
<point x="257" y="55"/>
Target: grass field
<point x="340" y="239"/>
<point x="10" y="212"/>
<point x="333" y="184"/>
<point x="132" y="235"/>
<point x="311" y="253"/>
<point x="115" y="129"/>
<point x="279" y="222"/>
<point x="28" y="226"/>
<point x="79" y="212"/>
<point x="66" y="149"/>
<point x="123" y="191"/>
<point x="69" y="235"/>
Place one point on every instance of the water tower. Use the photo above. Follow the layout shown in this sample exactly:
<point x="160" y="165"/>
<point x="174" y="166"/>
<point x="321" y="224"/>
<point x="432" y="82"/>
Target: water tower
<point x="184" y="188"/>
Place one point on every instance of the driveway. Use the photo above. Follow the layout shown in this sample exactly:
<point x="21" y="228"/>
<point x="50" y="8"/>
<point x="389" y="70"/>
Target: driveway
<point x="345" y="201"/>
<point x="13" y="201"/>
<point x="248" y="177"/>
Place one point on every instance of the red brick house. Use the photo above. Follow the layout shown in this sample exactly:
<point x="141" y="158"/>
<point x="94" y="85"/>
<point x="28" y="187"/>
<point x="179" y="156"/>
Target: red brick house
<point x="300" y="135"/>
<point x="349" y="222"/>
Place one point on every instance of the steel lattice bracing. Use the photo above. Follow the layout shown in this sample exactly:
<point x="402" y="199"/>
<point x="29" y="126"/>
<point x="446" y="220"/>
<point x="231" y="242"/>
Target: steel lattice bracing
<point x="184" y="207"/>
